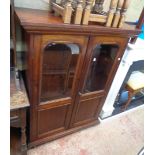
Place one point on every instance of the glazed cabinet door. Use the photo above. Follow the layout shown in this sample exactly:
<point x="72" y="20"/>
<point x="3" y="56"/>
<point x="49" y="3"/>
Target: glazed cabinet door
<point x="101" y="62"/>
<point x="58" y="65"/>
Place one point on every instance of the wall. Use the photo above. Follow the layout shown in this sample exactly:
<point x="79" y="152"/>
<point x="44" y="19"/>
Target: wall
<point x="34" y="4"/>
<point x="132" y="15"/>
<point x="134" y="10"/>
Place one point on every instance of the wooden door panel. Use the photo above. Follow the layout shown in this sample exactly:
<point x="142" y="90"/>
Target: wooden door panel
<point x="56" y="82"/>
<point x="52" y="120"/>
<point x="102" y="58"/>
<point x="61" y="61"/>
<point x="87" y="108"/>
<point x="111" y="65"/>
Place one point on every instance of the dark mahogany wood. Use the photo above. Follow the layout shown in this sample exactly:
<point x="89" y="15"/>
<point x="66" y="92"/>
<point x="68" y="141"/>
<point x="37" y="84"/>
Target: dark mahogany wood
<point x="86" y="101"/>
<point x="43" y="22"/>
<point x="139" y="26"/>
<point x="68" y="112"/>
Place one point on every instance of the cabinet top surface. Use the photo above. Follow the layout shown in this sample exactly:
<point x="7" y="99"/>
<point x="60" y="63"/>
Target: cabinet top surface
<point x="40" y="21"/>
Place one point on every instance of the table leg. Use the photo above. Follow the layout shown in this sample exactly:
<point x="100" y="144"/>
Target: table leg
<point x="23" y="133"/>
<point x="23" y="141"/>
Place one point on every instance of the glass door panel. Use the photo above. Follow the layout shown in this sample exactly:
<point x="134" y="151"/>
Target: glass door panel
<point x="58" y="70"/>
<point x="101" y="64"/>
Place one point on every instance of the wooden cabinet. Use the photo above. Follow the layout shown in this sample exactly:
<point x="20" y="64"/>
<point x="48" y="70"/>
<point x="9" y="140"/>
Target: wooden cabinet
<point x="69" y="71"/>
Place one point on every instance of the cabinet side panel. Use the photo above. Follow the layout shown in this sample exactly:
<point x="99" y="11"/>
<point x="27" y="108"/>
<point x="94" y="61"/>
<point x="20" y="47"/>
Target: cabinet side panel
<point x="29" y="45"/>
<point x="33" y="78"/>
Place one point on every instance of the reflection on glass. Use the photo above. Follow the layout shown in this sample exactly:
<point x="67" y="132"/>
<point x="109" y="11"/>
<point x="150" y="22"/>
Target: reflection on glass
<point x="58" y="70"/>
<point x="102" y="60"/>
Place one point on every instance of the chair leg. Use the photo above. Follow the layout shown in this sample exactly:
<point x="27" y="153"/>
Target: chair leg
<point x="128" y="101"/>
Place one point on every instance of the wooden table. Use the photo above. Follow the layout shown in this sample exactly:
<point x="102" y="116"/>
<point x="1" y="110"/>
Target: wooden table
<point x="18" y="106"/>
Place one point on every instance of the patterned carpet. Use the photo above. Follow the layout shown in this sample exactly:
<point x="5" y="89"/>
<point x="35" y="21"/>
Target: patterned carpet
<point x="118" y="135"/>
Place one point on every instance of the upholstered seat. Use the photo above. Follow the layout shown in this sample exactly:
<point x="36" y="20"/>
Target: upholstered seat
<point x="134" y="85"/>
<point x="136" y="80"/>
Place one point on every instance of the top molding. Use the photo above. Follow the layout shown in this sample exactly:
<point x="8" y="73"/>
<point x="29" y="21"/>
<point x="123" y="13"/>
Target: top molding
<point x="40" y="21"/>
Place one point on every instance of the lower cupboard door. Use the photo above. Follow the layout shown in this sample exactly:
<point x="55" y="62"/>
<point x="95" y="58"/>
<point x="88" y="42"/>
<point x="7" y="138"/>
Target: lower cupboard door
<point x="52" y="120"/>
<point x="88" y="108"/>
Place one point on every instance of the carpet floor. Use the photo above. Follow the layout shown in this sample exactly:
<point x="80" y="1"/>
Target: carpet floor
<point x="118" y="135"/>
